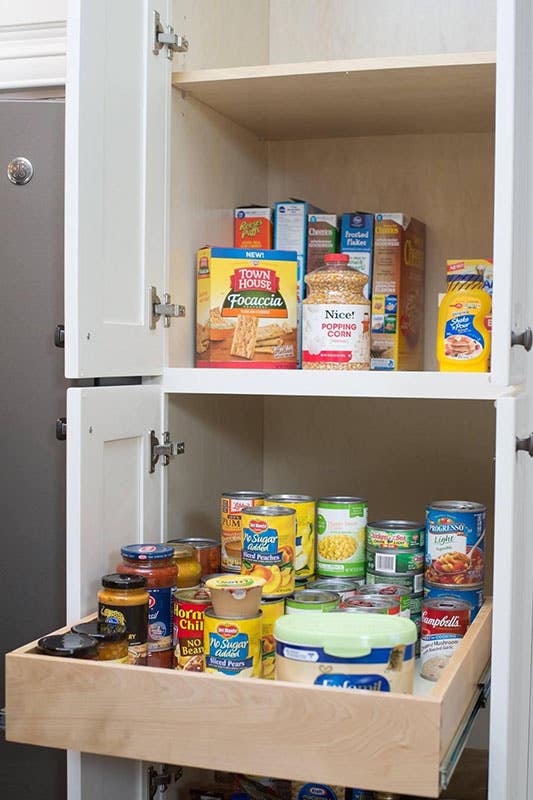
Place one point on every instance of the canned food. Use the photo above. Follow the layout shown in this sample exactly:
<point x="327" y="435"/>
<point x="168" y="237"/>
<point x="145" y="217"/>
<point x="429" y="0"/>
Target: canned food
<point x="395" y="562"/>
<point x="470" y="594"/>
<point x="205" y="578"/>
<point x="233" y="646"/>
<point x="413" y="583"/>
<point x="445" y="620"/>
<point x="304" y="505"/>
<point x="312" y="600"/>
<point x="371" y="605"/>
<point x="397" y="534"/>
<point x="341" y="530"/>
<point x="455" y="542"/>
<point x="386" y="590"/>
<point x="231" y="505"/>
<point x="342" y="586"/>
<point x="188" y="630"/>
<point x="272" y="609"/>
<point x="207" y="552"/>
<point x="300" y="583"/>
<point x="268" y="546"/>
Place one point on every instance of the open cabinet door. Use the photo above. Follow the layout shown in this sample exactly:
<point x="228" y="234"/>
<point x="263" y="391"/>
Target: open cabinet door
<point x="112" y="500"/>
<point x="117" y="132"/>
<point x="513" y="601"/>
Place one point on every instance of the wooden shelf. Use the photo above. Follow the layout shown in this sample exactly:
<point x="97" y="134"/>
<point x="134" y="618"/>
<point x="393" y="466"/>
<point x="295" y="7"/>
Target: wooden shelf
<point x="361" y="97"/>
<point x="380" y="741"/>
<point x="319" y="383"/>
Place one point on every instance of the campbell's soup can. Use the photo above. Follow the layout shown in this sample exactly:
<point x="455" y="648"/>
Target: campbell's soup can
<point x="399" y="593"/>
<point x="305" y="508"/>
<point x="445" y="620"/>
<point x="233" y="645"/>
<point x="395" y="562"/>
<point x="268" y="547"/>
<point x="188" y="629"/>
<point x="395" y="534"/>
<point x="345" y="587"/>
<point x="341" y="533"/>
<point x="470" y="594"/>
<point x="371" y="605"/>
<point x="231" y="505"/>
<point x="272" y="609"/>
<point x="455" y="542"/>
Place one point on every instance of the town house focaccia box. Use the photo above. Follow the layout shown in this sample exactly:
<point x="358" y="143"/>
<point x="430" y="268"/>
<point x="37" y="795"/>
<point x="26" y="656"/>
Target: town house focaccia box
<point x="246" y="308"/>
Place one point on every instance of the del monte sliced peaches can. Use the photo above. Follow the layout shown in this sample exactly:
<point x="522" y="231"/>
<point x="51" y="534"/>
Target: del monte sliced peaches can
<point x="268" y="547"/>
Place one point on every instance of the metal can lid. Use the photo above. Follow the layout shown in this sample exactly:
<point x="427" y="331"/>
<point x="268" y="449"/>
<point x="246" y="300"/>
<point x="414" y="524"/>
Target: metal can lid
<point x="374" y="601"/>
<point x="123" y="581"/>
<point x="268" y="511"/>
<point x="198" y="595"/>
<point x="335" y="584"/>
<point x="313" y="597"/>
<point x="147" y="552"/>
<point x="383" y="589"/>
<point x="291" y="498"/>
<point x="243" y="495"/>
<point x="396" y="525"/>
<point x="446" y="603"/>
<point x="342" y="499"/>
<point x="456" y="505"/>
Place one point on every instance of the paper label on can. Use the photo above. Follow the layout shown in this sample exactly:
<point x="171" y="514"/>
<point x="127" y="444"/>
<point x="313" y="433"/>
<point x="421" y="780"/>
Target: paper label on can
<point x="392" y="563"/>
<point x="268" y="550"/>
<point x="159" y="619"/>
<point x="233" y="647"/>
<point x="341" y="531"/>
<point x="450" y="538"/>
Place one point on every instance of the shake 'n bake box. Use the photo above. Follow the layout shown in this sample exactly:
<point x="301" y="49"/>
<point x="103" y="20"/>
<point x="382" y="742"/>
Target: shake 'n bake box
<point x="246" y="308"/>
<point x="397" y="337"/>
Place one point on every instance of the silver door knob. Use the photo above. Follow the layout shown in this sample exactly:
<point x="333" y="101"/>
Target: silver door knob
<point x="20" y="171"/>
<point x="525" y="339"/>
<point x="525" y="444"/>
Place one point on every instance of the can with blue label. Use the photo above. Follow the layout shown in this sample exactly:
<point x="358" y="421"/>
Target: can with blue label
<point x="455" y="543"/>
<point x="470" y="594"/>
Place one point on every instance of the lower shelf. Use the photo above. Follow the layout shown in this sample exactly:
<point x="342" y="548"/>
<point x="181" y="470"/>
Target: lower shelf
<point x="387" y="742"/>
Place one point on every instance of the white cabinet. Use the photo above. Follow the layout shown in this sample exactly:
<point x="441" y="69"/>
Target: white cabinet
<point x="153" y="172"/>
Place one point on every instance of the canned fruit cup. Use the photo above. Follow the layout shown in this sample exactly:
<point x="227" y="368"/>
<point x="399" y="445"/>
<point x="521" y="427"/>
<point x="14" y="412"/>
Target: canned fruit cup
<point x="371" y="605"/>
<point x="413" y="583"/>
<point x="470" y="594"/>
<point x="272" y="609"/>
<point x="233" y="645"/>
<point x="268" y="546"/>
<point x="445" y="620"/>
<point x="312" y="600"/>
<point x="235" y="595"/>
<point x="305" y="508"/>
<point x="455" y="542"/>
<point x="188" y="632"/>
<point x="231" y="505"/>
<point x="395" y="562"/>
<point x="341" y="532"/>
<point x="397" y="534"/>
<point x="350" y="651"/>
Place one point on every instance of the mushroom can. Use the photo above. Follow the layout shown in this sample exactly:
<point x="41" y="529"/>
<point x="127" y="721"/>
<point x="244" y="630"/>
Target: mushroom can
<point x="445" y="620"/>
<point x="455" y="542"/>
<point x="231" y="505"/>
<point x="305" y="509"/>
<point x="233" y="646"/>
<point x="341" y="531"/>
<point x="268" y="547"/>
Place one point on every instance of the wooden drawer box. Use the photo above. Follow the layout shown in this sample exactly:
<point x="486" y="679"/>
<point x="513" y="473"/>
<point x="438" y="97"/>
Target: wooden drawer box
<point x="377" y="741"/>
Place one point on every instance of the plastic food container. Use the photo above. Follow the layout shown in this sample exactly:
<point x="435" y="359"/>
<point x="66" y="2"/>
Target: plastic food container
<point x="351" y="651"/>
<point x="235" y="595"/>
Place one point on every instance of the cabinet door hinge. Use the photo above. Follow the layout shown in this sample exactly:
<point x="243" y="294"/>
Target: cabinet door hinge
<point x="166" y="450"/>
<point x="164" y="309"/>
<point x="174" y="42"/>
<point x="160" y="781"/>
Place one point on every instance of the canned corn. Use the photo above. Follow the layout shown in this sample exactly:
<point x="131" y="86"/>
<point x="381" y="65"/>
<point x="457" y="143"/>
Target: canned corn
<point x="341" y="529"/>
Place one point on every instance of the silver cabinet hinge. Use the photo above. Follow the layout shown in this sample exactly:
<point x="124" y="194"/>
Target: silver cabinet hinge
<point x="164" y="451"/>
<point x="160" y="781"/>
<point x="164" y="309"/>
<point x="174" y="42"/>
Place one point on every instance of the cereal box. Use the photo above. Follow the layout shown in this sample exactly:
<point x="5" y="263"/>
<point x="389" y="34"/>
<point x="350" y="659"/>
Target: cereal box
<point x="246" y="308"/>
<point x="357" y="239"/>
<point x="472" y="266"/>
<point x="397" y="336"/>
<point x="253" y="228"/>
<point x="322" y="235"/>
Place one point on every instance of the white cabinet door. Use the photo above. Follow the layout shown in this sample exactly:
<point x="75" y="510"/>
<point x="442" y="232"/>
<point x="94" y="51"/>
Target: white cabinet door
<point x="117" y="132"/>
<point x="513" y="195"/>
<point x="513" y="600"/>
<point x="112" y="500"/>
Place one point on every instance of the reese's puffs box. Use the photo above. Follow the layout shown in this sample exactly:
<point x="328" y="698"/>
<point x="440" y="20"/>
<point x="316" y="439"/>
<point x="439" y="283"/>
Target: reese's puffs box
<point x="253" y="228"/>
<point x="246" y="307"/>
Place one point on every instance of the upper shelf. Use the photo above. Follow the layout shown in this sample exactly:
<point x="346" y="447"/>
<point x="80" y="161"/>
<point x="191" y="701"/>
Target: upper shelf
<point x="359" y="97"/>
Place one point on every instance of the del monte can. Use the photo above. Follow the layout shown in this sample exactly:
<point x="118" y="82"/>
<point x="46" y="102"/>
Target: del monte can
<point x="268" y="547"/>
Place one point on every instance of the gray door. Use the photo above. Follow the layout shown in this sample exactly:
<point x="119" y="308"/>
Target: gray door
<point x="32" y="395"/>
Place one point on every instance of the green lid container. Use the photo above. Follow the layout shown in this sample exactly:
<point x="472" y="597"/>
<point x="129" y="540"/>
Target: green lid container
<point x="345" y="635"/>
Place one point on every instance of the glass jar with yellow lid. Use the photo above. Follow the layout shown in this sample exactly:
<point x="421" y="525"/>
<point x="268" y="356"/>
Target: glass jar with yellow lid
<point x="189" y="569"/>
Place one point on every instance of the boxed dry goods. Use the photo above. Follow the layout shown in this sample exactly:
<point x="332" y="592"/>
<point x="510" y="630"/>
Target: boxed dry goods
<point x="253" y="228"/>
<point x="290" y="232"/>
<point x="322" y="235"/>
<point x="246" y="308"/>
<point x="357" y="239"/>
<point x="472" y="266"/>
<point x="397" y="338"/>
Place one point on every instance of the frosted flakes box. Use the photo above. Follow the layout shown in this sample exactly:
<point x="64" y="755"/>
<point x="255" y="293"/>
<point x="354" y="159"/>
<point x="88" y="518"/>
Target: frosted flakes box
<point x="246" y="308"/>
<point x="397" y="334"/>
<point x="357" y="239"/>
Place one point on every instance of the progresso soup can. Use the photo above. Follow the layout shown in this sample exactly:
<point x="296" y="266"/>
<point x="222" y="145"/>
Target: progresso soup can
<point x="268" y="547"/>
<point x="469" y="594"/>
<point x="455" y="542"/>
<point x="341" y="532"/>
<point x="305" y="508"/>
<point x="395" y="534"/>
<point x="231" y="505"/>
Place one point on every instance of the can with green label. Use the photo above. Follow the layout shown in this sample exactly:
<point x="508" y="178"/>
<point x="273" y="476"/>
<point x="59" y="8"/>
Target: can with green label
<point x="395" y="562"/>
<point x="341" y="532"/>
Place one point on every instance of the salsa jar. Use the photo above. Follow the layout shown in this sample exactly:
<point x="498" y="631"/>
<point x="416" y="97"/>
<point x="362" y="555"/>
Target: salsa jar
<point x="124" y="600"/>
<point x="111" y="640"/>
<point x="189" y="569"/>
<point x="68" y="645"/>
<point x="155" y="562"/>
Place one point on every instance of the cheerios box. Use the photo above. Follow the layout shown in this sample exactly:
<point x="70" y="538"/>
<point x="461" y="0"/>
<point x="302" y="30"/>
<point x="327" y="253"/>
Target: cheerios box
<point x="246" y="308"/>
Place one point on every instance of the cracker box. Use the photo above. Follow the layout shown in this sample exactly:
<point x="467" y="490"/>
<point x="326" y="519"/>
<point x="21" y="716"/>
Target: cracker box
<point x="246" y="311"/>
<point x="322" y="236"/>
<point x="397" y="337"/>
<point x="253" y="228"/>
<point x="357" y="239"/>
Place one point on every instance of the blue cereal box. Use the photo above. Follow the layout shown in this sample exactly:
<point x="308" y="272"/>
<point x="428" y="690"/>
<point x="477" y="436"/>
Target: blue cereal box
<point x="357" y="239"/>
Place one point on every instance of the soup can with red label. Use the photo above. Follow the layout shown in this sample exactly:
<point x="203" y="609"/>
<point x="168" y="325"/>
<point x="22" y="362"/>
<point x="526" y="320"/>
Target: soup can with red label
<point x="445" y="620"/>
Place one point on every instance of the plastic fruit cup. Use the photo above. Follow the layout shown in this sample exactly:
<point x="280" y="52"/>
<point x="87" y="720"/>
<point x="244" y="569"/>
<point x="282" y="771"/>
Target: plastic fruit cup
<point x="235" y="595"/>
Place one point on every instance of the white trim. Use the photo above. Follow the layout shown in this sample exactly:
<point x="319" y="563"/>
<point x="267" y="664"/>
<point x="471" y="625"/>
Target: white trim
<point x="33" y="54"/>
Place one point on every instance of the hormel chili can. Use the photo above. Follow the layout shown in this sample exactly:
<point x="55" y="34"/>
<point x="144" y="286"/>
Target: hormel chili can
<point x="188" y="638"/>
<point x="445" y="620"/>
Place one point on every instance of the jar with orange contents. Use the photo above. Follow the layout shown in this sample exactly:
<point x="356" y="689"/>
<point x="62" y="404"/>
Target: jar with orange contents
<point x="189" y="569"/>
<point x="155" y="562"/>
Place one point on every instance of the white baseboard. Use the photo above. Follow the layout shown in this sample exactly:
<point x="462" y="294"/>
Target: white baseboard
<point x="33" y="55"/>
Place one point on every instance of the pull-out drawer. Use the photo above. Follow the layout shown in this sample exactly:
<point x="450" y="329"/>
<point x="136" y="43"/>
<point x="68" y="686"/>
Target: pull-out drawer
<point x="372" y="740"/>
